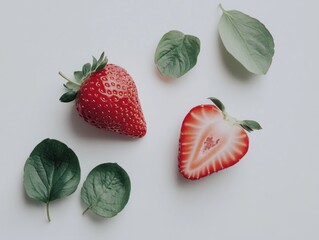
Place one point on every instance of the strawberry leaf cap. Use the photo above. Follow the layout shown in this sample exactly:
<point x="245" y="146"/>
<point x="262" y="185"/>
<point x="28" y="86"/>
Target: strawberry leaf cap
<point x="89" y="68"/>
<point x="218" y="103"/>
<point x="81" y="76"/>
<point x="248" y="125"/>
<point x="69" y="96"/>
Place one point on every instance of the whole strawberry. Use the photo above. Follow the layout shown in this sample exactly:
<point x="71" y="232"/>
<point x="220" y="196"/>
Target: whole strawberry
<point x="211" y="140"/>
<point x="106" y="97"/>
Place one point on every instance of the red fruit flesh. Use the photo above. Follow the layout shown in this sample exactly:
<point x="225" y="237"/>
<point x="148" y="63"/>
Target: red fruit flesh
<point x="209" y="143"/>
<point x="108" y="99"/>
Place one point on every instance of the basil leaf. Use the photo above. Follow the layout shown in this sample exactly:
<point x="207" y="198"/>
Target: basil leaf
<point x="176" y="54"/>
<point x="51" y="172"/>
<point x="106" y="190"/>
<point x="247" y="40"/>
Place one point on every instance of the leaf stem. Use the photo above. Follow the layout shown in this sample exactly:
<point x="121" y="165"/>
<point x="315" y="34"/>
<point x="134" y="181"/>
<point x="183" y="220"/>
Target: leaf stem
<point x="221" y="7"/>
<point x="230" y="119"/>
<point x="48" y="211"/>
<point x="62" y="75"/>
<point x="86" y="210"/>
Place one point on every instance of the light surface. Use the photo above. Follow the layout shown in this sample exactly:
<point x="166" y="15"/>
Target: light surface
<point x="272" y="193"/>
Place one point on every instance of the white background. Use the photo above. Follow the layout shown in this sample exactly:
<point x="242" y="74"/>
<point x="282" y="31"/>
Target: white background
<point x="273" y="193"/>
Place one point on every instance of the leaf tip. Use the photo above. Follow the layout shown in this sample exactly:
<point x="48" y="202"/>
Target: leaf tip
<point x="218" y="103"/>
<point x="68" y="96"/>
<point x="250" y="125"/>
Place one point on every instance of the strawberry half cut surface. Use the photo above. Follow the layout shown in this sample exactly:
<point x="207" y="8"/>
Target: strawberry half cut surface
<point x="211" y="140"/>
<point x="106" y="97"/>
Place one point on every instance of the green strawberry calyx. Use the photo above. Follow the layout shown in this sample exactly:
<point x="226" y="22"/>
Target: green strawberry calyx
<point x="80" y="77"/>
<point x="248" y="125"/>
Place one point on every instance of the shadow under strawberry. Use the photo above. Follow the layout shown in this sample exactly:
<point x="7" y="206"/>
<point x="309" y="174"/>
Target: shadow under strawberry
<point x="86" y="131"/>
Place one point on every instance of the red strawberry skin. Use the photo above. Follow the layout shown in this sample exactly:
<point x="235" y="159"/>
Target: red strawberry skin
<point x="108" y="99"/>
<point x="209" y="143"/>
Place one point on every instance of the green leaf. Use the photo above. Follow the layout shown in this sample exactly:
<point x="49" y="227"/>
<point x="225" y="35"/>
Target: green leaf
<point x="247" y="128"/>
<point x="51" y="172"/>
<point x="218" y="103"/>
<point x="94" y="64"/>
<point x="101" y="65"/>
<point x="176" y="53"/>
<point x="106" y="190"/>
<point x="251" y="124"/>
<point x="72" y="86"/>
<point x="78" y="75"/>
<point x="101" y="59"/>
<point x="101" y="62"/>
<point x="247" y="40"/>
<point x="69" y="96"/>
<point x="86" y="69"/>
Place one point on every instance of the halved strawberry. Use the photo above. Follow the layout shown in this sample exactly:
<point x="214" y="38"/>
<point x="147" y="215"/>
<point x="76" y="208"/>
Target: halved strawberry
<point x="211" y="140"/>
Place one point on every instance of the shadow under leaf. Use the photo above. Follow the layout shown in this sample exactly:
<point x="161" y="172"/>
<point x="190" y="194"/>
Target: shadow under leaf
<point x="234" y="67"/>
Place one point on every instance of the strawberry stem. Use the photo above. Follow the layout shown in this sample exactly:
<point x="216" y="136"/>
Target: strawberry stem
<point x="248" y="125"/>
<point x="62" y="75"/>
<point x="230" y="119"/>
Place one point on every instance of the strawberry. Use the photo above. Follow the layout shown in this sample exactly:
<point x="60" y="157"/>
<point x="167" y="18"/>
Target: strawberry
<point x="211" y="140"/>
<point x="106" y="97"/>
